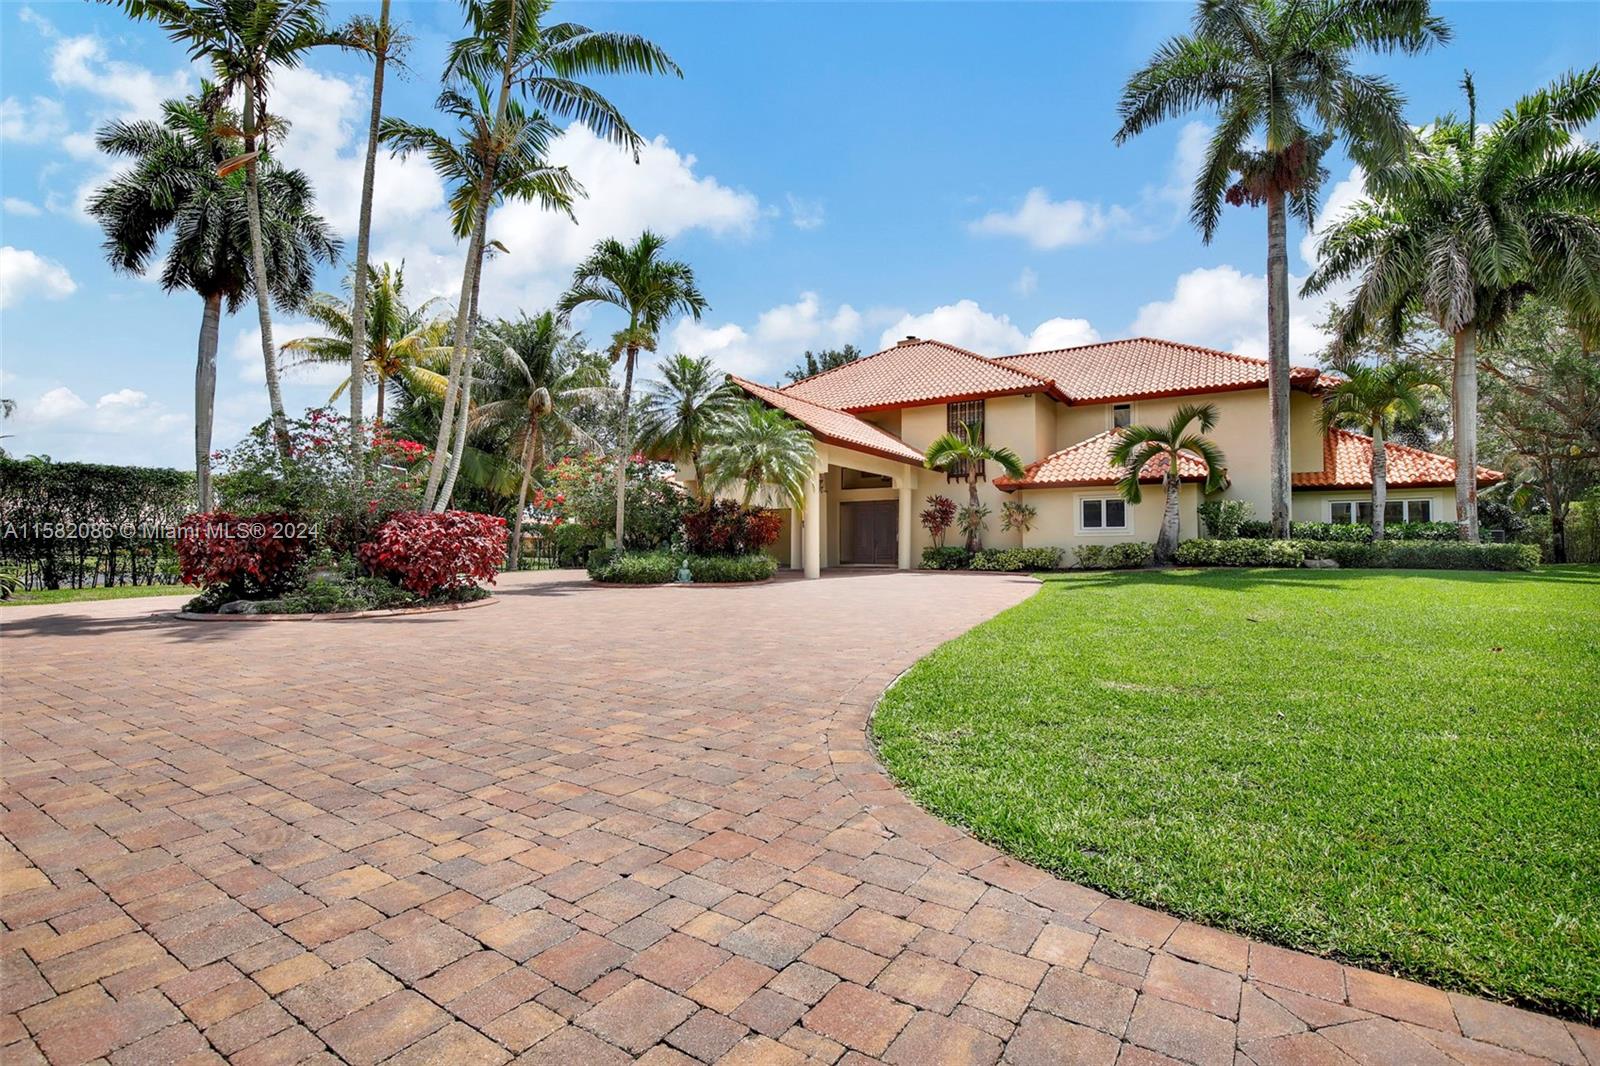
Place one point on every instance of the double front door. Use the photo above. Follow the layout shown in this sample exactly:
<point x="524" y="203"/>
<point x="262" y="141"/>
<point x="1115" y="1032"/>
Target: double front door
<point x="873" y="532"/>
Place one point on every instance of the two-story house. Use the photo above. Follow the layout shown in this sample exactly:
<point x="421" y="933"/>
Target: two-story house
<point x="1060" y="411"/>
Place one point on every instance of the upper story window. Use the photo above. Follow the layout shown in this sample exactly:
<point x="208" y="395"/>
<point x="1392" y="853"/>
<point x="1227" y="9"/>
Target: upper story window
<point x="1121" y="415"/>
<point x="957" y="415"/>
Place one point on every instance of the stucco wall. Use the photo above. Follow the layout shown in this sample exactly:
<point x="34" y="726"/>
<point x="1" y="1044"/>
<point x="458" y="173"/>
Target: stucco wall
<point x="1057" y="524"/>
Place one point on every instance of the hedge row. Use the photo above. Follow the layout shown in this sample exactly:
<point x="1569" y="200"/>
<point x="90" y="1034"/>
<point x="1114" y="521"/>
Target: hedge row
<point x="1399" y="555"/>
<point x="660" y="568"/>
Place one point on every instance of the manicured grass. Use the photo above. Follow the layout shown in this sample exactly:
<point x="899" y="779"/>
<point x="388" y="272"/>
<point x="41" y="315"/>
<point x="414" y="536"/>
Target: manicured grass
<point x="115" y="592"/>
<point x="1400" y="768"/>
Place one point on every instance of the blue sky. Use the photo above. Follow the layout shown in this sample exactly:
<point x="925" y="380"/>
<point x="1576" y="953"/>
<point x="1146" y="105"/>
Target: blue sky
<point x="834" y="172"/>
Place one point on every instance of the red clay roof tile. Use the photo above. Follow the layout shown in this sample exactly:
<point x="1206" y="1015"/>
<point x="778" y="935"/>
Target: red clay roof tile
<point x="1143" y="367"/>
<point x="1347" y="464"/>
<point x="837" y="427"/>
<point x="1088" y="462"/>
<point x="916" y="372"/>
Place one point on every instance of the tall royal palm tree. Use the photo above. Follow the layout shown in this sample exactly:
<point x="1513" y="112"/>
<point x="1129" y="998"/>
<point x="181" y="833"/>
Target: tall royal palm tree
<point x="1139" y="448"/>
<point x="246" y="42"/>
<point x="1279" y="73"/>
<point x="677" y="413"/>
<point x="1466" y="227"/>
<point x="650" y="290"/>
<point x="964" y="449"/>
<point x="172" y="188"/>
<point x="1371" y="399"/>
<point x="536" y="375"/>
<point x="756" y="449"/>
<point x="400" y="343"/>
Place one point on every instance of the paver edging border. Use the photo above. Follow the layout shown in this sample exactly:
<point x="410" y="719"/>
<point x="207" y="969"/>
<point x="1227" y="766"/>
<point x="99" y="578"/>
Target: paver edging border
<point x="337" y="616"/>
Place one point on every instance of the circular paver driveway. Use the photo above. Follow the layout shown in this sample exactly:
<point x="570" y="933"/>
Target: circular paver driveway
<point x="580" y="825"/>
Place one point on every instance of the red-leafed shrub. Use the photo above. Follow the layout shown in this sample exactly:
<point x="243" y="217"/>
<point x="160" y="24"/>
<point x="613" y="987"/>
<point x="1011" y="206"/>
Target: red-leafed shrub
<point x="723" y="527"/>
<point x="428" y="552"/>
<point x="247" y="555"/>
<point x="938" y="517"/>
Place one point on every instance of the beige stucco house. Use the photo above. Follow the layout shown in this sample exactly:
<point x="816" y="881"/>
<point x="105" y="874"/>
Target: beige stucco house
<point x="1059" y="411"/>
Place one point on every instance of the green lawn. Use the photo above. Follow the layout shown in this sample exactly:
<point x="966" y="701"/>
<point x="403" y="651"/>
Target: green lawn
<point x="115" y="592"/>
<point x="1395" y="768"/>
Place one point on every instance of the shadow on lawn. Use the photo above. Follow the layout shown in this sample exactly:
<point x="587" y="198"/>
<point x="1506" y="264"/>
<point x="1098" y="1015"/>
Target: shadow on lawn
<point x="1238" y="579"/>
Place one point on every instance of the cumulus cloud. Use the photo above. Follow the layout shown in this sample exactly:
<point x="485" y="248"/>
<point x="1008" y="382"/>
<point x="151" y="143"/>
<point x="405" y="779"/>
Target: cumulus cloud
<point x="967" y="325"/>
<point x="1222" y="307"/>
<point x="55" y="404"/>
<point x="1061" y="333"/>
<point x="245" y="354"/>
<point x="31" y="121"/>
<point x="805" y="214"/>
<point x="778" y="336"/>
<point x="83" y="63"/>
<point x="25" y="208"/>
<point x="26" y="274"/>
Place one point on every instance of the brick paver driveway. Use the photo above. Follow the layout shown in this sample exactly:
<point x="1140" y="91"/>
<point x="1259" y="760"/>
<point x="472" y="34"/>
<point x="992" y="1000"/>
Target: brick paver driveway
<point x="580" y="825"/>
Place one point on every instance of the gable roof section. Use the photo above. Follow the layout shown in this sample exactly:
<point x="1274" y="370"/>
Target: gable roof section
<point x="916" y="372"/>
<point x="1146" y="368"/>
<point x="1347" y="464"/>
<point x="835" y="427"/>
<point x="1088" y="462"/>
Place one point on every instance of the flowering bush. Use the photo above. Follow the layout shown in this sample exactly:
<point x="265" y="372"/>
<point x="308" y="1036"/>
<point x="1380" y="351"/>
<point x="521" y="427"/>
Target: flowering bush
<point x="938" y="517"/>
<point x="580" y="493"/>
<point x="723" y="527"/>
<point x="246" y="557"/>
<point x="429" y="552"/>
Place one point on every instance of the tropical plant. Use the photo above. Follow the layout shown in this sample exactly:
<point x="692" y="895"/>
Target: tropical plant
<point x="536" y="372"/>
<point x="1225" y="519"/>
<point x="677" y="413"/>
<point x="759" y="450"/>
<point x="1371" y="399"/>
<point x="938" y="517"/>
<point x="813" y="363"/>
<point x="1469" y="225"/>
<point x="246" y="42"/>
<point x="972" y="520"/>
<point x="1014" y="514"/>
<point x="650" y="290"/>
<point x="1146" y="450"/>
<point x="964" y="449"/>
<point x="1281" y="71"/>
<point x="400" y="343"/>
<point x="172" y="187"/>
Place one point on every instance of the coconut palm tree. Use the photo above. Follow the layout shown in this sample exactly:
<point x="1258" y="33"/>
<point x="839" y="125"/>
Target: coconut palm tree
<point x="964" y="450"/>
<point x="246" y="42"/>
<point x="1469" y="225"/>
<point x="172" y="187"/>
<point x="1371" y="399"/>
<point x="536" y="375"/>
<point x="676" y="414"/>
<point x="757" y="449"/>
<point x="650" y="290"/>
<point x="1139" y="447"/>
<point x="400" y="343"/>
<point x="1280" y="71"/>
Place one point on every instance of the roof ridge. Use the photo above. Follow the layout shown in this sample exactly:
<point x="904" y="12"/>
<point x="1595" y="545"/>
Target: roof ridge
<point x="1148" y="339"/>
<point x="993" y="361"/>
<point x="831" y="369"/>
<point x="1395" y="444"/>
<point x="744" y="382"/>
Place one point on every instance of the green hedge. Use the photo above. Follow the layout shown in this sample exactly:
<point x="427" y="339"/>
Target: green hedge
<point x="1241" y="552"/>
<point x="1358" y="531"/>
<point x="713" y="569"/>
<point x="1426" y="555"/>
<point x="1013" y="559"/>
<point x="948" y="558"/>
<point x="634" y="568"/>
<point x="1115" y="556"/>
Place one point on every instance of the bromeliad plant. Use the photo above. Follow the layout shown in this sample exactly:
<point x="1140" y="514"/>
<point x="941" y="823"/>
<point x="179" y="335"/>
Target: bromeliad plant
<point x="973" y="520"/>
<point x="1149" y="450"/>
<point x="1014" y="514"/>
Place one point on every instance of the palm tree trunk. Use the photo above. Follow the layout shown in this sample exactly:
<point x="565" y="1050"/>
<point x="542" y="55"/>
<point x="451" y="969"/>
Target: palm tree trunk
<point x="972" y="503"/>
<point x="205" y="397"/>
<point x="459" y="446"/>
<point x="624" y="444"/>
<point x="522" y="499"/>
<point x="1464" y="407"/>
<point x="358" y="298"/>
<point x="383" y="382"/>
<point x="1380" y="480"/>
<point x="258" y="268"/>
<point x="1167" y="540"/>
<point x="1278" y="360"/>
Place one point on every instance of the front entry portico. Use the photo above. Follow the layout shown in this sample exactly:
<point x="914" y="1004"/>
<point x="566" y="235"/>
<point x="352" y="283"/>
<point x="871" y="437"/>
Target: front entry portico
<point x="857" y="512"/>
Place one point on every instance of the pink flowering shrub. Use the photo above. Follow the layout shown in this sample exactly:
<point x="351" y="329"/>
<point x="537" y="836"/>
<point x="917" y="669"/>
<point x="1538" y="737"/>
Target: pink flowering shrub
<point x="429" y="552"/>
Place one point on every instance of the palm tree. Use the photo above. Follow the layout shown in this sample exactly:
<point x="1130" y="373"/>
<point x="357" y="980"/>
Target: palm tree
<point x="650" y="290"/>
<point x="246" y="42"/>
<point x="538" y="374"/>
<point x="1280" y="70"/>
<point x="964" y="450"/>
<point x="676" y="414"/>
<point x="400" y="343"/>
<point x="1138" y="447"/>
<point x="1468" y="226"/>
<point x="1371" y="399"/>
<point x="756" y="448"/>
<point x="173" y="187"/>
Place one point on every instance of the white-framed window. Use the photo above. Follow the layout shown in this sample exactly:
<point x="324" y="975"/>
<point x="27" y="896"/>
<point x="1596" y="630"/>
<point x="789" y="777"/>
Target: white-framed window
<point x="1121" y="415"/>
<point x="1102" y="514"/>
<point x="1394" y="511"/>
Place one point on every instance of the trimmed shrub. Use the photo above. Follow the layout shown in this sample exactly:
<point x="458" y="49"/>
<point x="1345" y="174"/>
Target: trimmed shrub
<point x="1240" y="553"/>
<point x="723" y="527"/>
<point x="1428" y="555"/>
<point x="1354" y="532"/>
<point x="946" y="558"/>
<point x="1115" y="556"/>
<point x="938" y="517"/>
<point x="634" y="568"/>
<point x="245" y="557"/>
<point x="1255" y="529"/>
<point x="337" y="595"/>
<point x="429" y="552"/>
<point x="713" y="569"/>
<point x="1010" y="559"/>
<point x="1224" y="518"/>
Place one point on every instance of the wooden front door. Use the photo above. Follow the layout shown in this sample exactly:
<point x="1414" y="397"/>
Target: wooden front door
<point x="874" y="532"/>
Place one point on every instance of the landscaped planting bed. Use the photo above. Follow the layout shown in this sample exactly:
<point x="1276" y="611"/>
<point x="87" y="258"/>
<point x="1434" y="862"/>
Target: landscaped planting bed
<point x="1399" y="768"/>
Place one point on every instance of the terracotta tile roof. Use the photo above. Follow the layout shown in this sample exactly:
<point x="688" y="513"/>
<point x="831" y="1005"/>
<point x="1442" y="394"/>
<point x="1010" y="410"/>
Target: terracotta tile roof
<point x="916" y="372"/>
<point x="835" y="427"/>
<point x="1088" y="462"/>
<point x="1146" y="367"/>
<point x="1347" y="464"/>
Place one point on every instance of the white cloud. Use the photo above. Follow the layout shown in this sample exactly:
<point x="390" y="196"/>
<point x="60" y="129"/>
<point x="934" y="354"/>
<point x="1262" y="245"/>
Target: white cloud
<point x="1061" y="333"/>
<point x="126" y="424"/>
<point x="778" y="337"/>
<point x="1345" y="195"/>
<point x="82" y="63"/>
<point x="24" y="273"/>
<point x="1027" y="282"/>
<point x="967" y="325"/>
<point x="246" y="355"/>
<point x="15" y="206"/>
<point x="805" y="214"/>
<point x="31" y="121"/>
<point x="57" y="403"/>
<point x="1221" y="307"/>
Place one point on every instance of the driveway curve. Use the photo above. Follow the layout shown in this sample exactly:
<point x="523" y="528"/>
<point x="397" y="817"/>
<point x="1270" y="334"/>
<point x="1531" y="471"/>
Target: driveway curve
<point x="580" y="826"/>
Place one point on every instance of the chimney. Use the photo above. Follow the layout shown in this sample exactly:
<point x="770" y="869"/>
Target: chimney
<point x="908" y="339"/>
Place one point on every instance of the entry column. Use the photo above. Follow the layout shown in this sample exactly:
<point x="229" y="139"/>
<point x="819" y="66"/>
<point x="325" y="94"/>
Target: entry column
<point x="904" y="540"/>
<point x="813" y="526"/>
